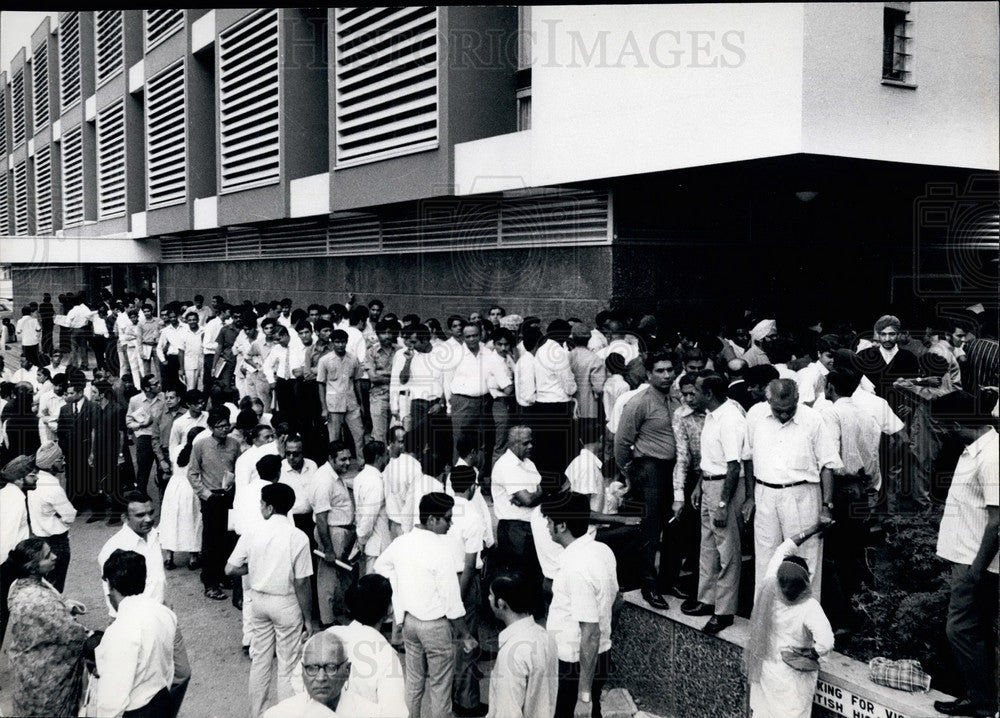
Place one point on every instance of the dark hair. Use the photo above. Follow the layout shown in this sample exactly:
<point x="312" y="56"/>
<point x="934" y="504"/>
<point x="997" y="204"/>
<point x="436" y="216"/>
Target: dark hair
<point x="654" y="358"/>
<point x="462" y="477"/>
<point x="715" y="384"/>
<point x="22" y="561"/>
<point x="828" y="343"/>
<point x="136" y="497"/>
<point x="322" y="324"/>
<point x="411" y="319"/>
<point x="686" y="379"/>
<point x="570" y="508"/>
<point x="517" y="591"/>
<point x="185" y="456"/>
<point x="844" y="381"/>
<point x="335" y="447"/>
<point x="372" y="450"/>
<point x="125" y="571"/>
<point x="193" y="396"/>
<point x="780" y="351"/>
<point x="531" y="337"/>
<point x="280" y="497"/>
<point x="435" y="503"/>
<point x="359" y="313"/>
<point x="614" y="363"/>
<point x="217" y="415"/>
<point x="269" y="467"/>
<point x="303" y="326"/>
<point x="368" y="600"/>
<point x="693" y="354"/>
<point x="246" y="420"/>
<point x="465" y="444"/>
<point x="760" y="375"/>
<point x="503" y="333"/>
<point x="961" y="407"/>
<point x="338" y="335"/>
<point x="422" y="332"/>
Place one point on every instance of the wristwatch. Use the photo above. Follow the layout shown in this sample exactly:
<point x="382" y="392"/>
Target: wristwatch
<point x="723" y="504"/>
<point x="584" y="697"/>
<point x="828" y="505"/>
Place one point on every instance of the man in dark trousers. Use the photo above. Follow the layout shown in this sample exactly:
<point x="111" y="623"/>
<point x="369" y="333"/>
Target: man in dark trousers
<point x="46" y="316"/>
<point x="74" y="431"/>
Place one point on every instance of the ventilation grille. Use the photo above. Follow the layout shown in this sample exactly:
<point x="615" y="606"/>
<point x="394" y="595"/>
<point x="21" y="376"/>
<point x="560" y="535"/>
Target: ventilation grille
<point x="111" y="161"/>
<point x="3" y="139"/>
<point x="69" y="61"/>
<point x="386" y="82"/>
<point x="40" y="86"/>
<point x="562" y="218"/>
<point x="17" y="107"/>
<point x="72" y="177"/>
<point x="4" y="203"/>
<point x="166" y="148"/>
<point x="20" y="200"/>
<point x="161" y="24"/>
<point x="248" y="102"/>
<point x="43" y="190"/>
<point x="110" y="44"/>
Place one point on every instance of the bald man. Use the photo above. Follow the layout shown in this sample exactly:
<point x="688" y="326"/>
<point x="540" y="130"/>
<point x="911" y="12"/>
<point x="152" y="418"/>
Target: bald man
<point x="738" y="390"/>
<point x="325" y="667"/>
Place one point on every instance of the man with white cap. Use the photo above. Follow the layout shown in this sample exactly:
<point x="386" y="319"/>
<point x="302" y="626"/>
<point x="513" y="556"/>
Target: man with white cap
<point x="50" y="510"/>
<point x="763" y="332"/>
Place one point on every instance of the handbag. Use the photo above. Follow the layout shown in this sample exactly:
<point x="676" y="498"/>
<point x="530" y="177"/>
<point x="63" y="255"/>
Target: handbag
<point x="905" y="674"/>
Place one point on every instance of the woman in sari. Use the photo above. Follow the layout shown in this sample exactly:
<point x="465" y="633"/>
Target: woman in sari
<point x="788" y="634"/>
<point x="46" y="644"/>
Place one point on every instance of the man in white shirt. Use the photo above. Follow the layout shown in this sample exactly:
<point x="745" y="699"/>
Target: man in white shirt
<point x="145" y="410"/>
<point x="551" y="414"/>
<point x="245" y="504"/>
<point x="793" y="456"/>
<point x="138" y="534"/>
<point x="136" y="656"/>
<point x="300" y="473"/>
<point x="427" y="601"/>
<point x="168" y="348"/>
<point x="326" y="666"/>
<point x="50" y="511"/>
<point x="372" y="524"/>
<point x="968" y="539"/>
<point x="525" y="678"/>
<point x="210" y="340"/>
<point x="401" y="473"/>
<point x="191" y="349"/>
<point x="516" y="488"/>
<point x="718" y="497"/>
<point x="29" y="332"/>
<point x="15" y="480"/>
<point x="275" y="558"/>
<point x="333" y="514"/>
<point x="476" y="370"/>
<point x="583" y="594"/>
<point x="78" y="318"/>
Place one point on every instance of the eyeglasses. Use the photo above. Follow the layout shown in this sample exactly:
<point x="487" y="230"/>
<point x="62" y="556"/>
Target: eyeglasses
<point x="328" y="668"/>
<point x="293" y="453"/>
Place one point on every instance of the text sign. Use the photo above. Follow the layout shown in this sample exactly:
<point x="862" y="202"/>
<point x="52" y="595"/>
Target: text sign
<point x="842" y="702"/>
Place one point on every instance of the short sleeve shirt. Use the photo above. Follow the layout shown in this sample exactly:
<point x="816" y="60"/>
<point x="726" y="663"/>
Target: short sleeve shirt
<point x="339" y="374"/>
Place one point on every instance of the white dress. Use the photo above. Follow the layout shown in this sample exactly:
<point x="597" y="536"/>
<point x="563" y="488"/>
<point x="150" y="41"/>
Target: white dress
<point x="784" y="692"/>
<point x="180" y="515"/>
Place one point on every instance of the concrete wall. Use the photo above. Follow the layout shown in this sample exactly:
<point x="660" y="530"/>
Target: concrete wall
<point x="950" y="119"/>
<point x="556" y="282"/>
<point x="31" y="282"/>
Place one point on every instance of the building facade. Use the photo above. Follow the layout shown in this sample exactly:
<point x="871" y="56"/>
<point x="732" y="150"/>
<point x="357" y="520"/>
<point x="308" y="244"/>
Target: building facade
<point x="693" y="160"/>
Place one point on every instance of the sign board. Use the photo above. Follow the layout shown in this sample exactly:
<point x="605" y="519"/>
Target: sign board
<point x="844" y="703"/>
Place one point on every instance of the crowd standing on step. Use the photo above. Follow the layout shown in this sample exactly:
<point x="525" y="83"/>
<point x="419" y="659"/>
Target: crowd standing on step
<point x="397" y="504"/>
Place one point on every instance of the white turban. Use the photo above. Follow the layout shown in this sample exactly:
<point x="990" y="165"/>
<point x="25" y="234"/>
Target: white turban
<point x="763" y="329"/>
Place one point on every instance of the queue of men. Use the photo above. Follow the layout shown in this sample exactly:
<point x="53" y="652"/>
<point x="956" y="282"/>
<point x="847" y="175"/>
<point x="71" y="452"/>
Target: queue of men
<point x="502" y="476"/>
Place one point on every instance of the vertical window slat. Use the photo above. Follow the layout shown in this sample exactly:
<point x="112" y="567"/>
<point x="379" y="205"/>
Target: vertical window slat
<point x="166" y="141"/>
<point x="111" y="162"/>
<point x="70" y="89"/>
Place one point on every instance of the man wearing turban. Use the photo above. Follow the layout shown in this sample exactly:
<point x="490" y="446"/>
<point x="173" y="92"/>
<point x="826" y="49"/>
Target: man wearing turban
<point x="762" y="333"/>
<point x="50" y="510"/>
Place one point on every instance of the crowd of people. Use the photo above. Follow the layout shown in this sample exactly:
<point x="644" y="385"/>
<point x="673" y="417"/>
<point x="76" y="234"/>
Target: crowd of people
<point x="361" y="484"/>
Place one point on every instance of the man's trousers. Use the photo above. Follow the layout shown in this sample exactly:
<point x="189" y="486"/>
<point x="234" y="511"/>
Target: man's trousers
<point x="216" y="543"/>
<point x="651" y="488"/>
<point x="430" y="664"/>
<point x="275" y="632"/>
<point x="569" y="686"/>
<point x="720" y="559"/>
<point x="144" y="460"/>
<point x="971" y="613"/>
<point x="780" y="514"/>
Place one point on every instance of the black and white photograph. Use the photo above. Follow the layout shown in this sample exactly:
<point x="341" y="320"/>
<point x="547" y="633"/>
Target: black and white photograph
<point x="517" y="361"/>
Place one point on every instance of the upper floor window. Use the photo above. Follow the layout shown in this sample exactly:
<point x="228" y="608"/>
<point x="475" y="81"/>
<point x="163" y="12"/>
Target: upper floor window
<point x="897" y="40"/>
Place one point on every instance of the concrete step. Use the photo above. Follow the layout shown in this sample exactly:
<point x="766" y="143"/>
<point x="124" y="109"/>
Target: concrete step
<point x="617" y="703"/>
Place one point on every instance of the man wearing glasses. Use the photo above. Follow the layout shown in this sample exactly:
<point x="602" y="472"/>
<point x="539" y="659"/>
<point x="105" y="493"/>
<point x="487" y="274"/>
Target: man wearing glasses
<point x="325" y="669"/>
<point x="211" y="473"/>
<point x="275" y="559"/>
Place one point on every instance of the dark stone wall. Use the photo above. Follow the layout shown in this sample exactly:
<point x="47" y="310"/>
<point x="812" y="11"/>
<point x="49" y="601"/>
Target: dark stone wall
<point x="545" y="282"/>
<point x="672" y="669"/>
<point x="31" y="282"/>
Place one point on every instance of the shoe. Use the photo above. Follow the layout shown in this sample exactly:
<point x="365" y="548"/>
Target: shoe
<point x="480" y="710"/>
<point x="246" y="651"/>
<point x="169" y="564"/>
<point x="717" y="623"/>
<point x="238" y="604"/>
<point x="193" y="564"/>
<point x="487" y="655"/>
<point x="95" y="517"/>
<point x="114" y="520"/>
<point x="654" y="599"/>
<point x="964" y="707"/>
<point x="216" y="594"/>
<point x="692" y="607"/>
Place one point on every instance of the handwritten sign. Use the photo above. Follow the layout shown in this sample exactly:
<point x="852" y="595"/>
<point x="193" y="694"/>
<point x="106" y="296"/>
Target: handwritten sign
<point x="842" y="702"/>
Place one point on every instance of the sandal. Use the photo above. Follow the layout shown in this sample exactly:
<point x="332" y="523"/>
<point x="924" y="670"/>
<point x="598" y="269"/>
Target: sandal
<point x="216" y="594"/>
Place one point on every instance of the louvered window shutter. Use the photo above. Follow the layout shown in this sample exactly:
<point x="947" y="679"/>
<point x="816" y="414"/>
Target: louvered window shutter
<point x="161" y="24"/>
<point x="110" y="44"/>
<point x="43" y="190"/>
<point x="40" y="87"/>
<point x="20" y="200"/>
<point x="248" y="102"/>
<point x="166" y="149"/>
<point x="69" y="61"/>
<point x="386" y="82"/>
<point x="4" y="203"/>
<point x="72" y="177"/>
<point x="111" y="161"/>
<point x="17" y="107"/>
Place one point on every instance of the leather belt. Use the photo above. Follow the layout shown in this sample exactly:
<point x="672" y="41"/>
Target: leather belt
<point x="782" y="486"/>
<point x="718" y="477"/>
